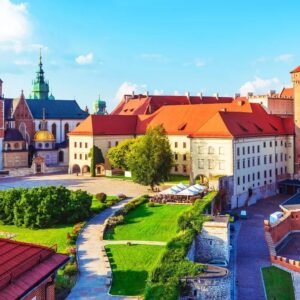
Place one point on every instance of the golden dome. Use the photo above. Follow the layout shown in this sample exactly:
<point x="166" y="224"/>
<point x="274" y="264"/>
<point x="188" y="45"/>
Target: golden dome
<point x="43" y="136"/>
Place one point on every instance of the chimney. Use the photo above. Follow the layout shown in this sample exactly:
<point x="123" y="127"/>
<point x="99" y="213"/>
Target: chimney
<point x="250" y="94"/>
<point x="187" y="94"/>
<point x="217" y="96"/>
<point x="132" y="94"/>
<point x="1" y="94"/>
<point x="147" y="93"/>
<point x="237" y="95"/>
<point x="200" y="95"/>
<point x="272" y="92"/>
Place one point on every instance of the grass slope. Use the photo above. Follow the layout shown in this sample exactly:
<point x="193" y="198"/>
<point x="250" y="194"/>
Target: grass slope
<point x="158" y="223"/>
<point x="278" y="284"/>
<point x="46" y="237"/>
<point x="131" y="266"/>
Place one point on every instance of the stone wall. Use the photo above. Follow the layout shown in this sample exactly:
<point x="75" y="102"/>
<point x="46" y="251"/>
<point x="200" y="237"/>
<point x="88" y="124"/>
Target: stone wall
<point x="213" y="241"/>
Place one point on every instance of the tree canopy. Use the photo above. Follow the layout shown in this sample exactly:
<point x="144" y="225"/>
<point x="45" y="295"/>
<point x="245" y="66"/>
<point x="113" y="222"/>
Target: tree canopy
<point x="150" y="159"/>
<point x="96" y="158"/>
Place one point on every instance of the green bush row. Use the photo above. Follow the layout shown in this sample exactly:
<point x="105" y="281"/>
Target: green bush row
<point x="132" y="205"/>
<point x="173" y="265"/>
<point x="43" y="206"/>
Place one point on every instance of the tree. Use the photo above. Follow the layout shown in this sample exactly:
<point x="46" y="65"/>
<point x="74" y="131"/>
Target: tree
<point x="118" y="155"/>
<point x="150" y="158"/>
<point x="96" y="158"/>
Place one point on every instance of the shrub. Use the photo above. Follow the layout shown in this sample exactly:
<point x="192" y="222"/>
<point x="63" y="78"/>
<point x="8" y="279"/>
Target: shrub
<point x="70" y="269"/>
<point x="115" y="220"/>
<point x="151" y="204"/>
<point x="101" y="197"/>
<point x="121" y="196"/>
<point x="71" y="250"/>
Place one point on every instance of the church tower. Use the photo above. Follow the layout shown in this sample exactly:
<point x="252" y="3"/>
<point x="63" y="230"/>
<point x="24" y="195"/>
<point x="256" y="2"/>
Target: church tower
<point x="40" y="88"/>
<point x="296" y="84"/>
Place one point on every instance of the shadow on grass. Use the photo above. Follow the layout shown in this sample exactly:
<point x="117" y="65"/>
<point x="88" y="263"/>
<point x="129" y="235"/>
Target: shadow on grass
<point x="128" y="283"/>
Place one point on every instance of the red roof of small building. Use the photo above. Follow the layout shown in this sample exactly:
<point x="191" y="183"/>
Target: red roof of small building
<point x="143" y="104"/>
<point x="235" y="119"/>
<point x="24" y="266"/>
<point x="296" y="70"/>
<point x="287" y="93"/>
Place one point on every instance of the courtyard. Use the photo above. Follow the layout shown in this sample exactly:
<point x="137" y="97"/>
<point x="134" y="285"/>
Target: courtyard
<point x="290" y="247"/>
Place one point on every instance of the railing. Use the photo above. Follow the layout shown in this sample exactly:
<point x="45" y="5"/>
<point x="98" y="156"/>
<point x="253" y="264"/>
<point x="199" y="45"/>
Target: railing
<point x="18" y="270"/>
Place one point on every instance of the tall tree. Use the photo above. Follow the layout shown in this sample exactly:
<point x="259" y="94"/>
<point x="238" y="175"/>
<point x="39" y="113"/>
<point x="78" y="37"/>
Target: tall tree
<point x="150" y="158"/>
<point x="96" y="158"/>
<point x="118" y="155"/>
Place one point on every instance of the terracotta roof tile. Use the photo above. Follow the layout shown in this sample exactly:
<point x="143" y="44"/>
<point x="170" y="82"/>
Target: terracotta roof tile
<point x="296" y="70"/>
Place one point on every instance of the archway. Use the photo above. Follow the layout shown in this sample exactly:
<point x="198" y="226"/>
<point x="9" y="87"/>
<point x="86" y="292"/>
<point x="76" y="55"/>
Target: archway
<point x="85" y="169"/>
<point x="66" y="127"/>
<point x="202" y="179"/>
<point x="61" y="156"/>
<point x="75" y="169"/>
<point x="100" y="169"/>
<point x="53" y="130"/>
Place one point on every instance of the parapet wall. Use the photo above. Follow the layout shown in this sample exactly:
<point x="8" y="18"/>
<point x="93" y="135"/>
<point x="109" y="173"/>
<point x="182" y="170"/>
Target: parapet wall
<point x="277" y="232"/>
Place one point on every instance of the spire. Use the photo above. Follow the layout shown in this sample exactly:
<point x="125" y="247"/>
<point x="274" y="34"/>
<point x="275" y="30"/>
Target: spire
<point x="44" y="122"/>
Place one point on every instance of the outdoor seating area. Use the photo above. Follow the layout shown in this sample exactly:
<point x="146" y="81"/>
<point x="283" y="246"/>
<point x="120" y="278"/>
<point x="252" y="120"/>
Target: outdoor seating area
<point x="180" y="193"/>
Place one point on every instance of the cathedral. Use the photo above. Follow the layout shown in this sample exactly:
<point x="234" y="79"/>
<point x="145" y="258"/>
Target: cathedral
<point x="34" y="131"/>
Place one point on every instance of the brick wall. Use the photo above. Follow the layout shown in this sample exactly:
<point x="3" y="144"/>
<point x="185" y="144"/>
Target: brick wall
<point x="45" y="291"/>
<point x="276" y="233"/>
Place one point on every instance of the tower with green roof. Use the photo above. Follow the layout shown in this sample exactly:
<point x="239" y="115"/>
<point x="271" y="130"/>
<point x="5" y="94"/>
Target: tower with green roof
<point x="40" y="87"/>
<point x="99" y="107"/>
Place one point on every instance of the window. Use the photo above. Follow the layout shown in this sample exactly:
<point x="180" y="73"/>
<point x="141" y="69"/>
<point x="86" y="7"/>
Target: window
<point x="176" y="168"/>
<point x="184" y="168"/>
<point x="184" y="156"/>
<point x="285" y="169"/>
<point x="253" y="176"/>
<point x="80" y="145"/>
<point x="281" y="170"/>
<point x="66" y="127"/>
<point x="75" y="144"/>
<point x="244" y="163"/>
<point x="211" y="150"/>
<point x="211" y="164"/>
<point x="270" y="158"/>
<point x="40" y="145"/>
<point x="116" y="143"/>
<point x="16" y="145"/>
<point x="271" y="144"/>
<point x="238" y="180"/>
<point x="281" y="156"/>
<point x="264" y="144"/>
<point x="265" y="173"/>
<point x="86" y="145"/>
<point x="176" y="145"/>
<point x="221" y="150"/>
<point x="184" y="144"/>
<point x="275" y="143"/>
<point x="285" y="157"/>
<point x="270" y="173"/>
<point x="80" y="156"/>
<point x="109" y="144"/>
<point x="243" y="150"/>
<point x="200" y="149"/>
<point x="276" y="157"/>
<point x="258" y="148"/>
<point x="249" y="162"/>
<point x="86" y="157"/>
<point x="281" y="143"/>
<point x="53" y="129"/>
<point x="265" y="159"/>
<point x="258" y="175"/>
<point x="253" y="149"/>
<point x="238" y="151"/>
<point x="258" y="160"/>
<point x="75" y="156"/>
<point x="221" y="164"/>
<point x="238" y="164"/>
<point x="248" y="177"/>
<point x="47" y="145"/>
<point x="200" y="163"/>
<point x="248" y="149"/>
<point x="253" y="161"/>
<point x="244" y="179"/>
<point x="61" y="156"/>
<point x="175" y="156"/>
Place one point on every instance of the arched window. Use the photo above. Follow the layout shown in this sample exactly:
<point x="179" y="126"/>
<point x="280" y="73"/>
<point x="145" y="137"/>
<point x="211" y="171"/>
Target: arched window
<point x="47" y="145"/>
<point x="66" y="131"/>
<point x="53" y="130"/>
<point x="16" y="145"/>
<point x="61" y="156"/>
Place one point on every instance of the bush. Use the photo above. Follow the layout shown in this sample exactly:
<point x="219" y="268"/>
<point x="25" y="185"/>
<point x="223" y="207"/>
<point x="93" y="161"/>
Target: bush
<point x="115" y="220"/>
<point x="43" y="206"/>
<point x="70" y="269"/>
<point x="122" y="196"/>
<point x="151" y="204"/>
<point x="101" y="197"/>
<point x="71" y="250"/>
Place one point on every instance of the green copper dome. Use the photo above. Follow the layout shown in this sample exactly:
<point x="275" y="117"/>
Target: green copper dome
<point x="99" y="106"/>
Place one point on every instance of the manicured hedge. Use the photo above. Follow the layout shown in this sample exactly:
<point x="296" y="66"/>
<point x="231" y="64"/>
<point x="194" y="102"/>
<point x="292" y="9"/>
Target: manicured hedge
<point x="43" y="206"/>
<point x="165" y="278"/>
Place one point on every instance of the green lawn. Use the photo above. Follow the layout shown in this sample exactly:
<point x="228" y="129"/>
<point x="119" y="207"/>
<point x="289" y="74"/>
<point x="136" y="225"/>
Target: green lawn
<point x="131" y="266"/>
<point x="278" y="284"/>
<point x="175" y="179"/>
<point x="158" y="223"/>
<point x="97" y="206"/>
<point x="46" y="237"/>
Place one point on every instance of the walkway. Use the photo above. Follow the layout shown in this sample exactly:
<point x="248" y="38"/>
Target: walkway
<point x="94" y="268"/>
<point x="252" y="252"/>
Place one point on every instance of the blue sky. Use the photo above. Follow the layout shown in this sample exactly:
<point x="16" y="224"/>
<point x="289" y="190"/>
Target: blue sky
<point x="110" y="47"/>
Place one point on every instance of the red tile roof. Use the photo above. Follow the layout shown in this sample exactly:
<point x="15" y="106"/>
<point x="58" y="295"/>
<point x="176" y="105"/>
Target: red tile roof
<point x="235" y="119"/>
<point x="142" y="104"/>
<point x="296" y="70"/>
<point x="24" y="266"/>
<point x="107" y="125"/>
<point x="287" y="93"/>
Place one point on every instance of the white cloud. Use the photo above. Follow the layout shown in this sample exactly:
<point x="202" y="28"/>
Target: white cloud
<point x="158" y="92"/>
<point x="15" y="23"/>
<point x="260" y="86"/>
<point x="85" y="59"/>
<point x="176" y="93"/>
<point x="126" y="88"/>
<point x="199" y="63"/>
<point x="284" y="58"/>
<point x="23" y="62"/>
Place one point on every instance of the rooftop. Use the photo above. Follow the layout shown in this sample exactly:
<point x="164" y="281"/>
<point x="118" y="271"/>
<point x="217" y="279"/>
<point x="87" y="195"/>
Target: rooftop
<point x="24" y="266"/>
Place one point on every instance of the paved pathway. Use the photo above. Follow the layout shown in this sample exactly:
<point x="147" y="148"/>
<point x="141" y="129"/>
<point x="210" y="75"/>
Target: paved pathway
<point x="252" y="251"/>
<point x="93" y="263"/>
